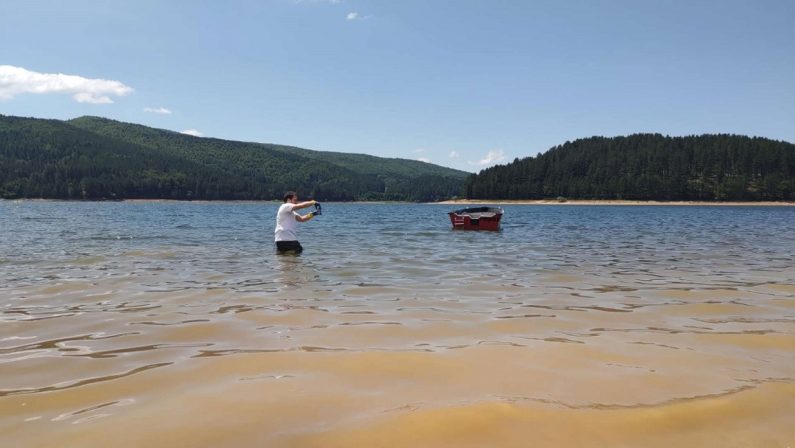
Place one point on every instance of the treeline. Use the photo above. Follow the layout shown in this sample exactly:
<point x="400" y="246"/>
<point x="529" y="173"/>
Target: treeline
<point x="647" y="167"/>
<point x="95" y="158"/>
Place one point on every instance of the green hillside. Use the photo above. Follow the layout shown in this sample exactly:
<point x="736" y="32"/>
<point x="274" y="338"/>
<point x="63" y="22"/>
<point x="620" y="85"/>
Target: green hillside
<point x="94" y="158"/>
<point x="368" y="164"/>
<point x="97" y="158"/>
<point x="647" y="167"/>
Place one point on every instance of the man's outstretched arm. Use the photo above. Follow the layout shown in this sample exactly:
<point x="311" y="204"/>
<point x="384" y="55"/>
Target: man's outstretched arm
<point x="304" y="204"/>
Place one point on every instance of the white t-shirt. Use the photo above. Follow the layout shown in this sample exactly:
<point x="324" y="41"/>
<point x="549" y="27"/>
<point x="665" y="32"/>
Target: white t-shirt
<point x="286" y="225"/>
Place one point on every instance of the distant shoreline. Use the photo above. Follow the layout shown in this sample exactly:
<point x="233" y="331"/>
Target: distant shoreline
<point x="613" y="202"/>
<point x="448" y="202"/>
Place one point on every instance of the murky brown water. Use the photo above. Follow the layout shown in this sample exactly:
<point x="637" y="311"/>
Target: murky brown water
<point x="401" y="338"/>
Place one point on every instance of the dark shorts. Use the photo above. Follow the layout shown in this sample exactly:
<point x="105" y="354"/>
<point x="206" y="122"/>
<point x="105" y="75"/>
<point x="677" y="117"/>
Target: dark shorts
<point x="289" y="246"/>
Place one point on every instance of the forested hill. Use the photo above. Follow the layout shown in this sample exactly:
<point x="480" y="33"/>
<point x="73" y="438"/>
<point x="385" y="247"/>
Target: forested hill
<point x="647" y="167"/>
<point x="97" y="158"/>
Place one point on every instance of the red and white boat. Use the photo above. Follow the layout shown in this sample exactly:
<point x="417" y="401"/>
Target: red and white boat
<point x="476" y="218"/>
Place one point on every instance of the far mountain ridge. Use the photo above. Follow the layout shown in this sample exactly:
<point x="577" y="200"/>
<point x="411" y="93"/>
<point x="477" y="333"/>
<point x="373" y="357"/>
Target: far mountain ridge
<point x="361" y="162"/>
<point x="99" y="158"/>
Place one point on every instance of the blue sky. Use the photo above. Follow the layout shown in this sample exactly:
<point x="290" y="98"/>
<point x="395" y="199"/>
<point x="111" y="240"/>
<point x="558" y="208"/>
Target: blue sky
<point x="463" y="84"/>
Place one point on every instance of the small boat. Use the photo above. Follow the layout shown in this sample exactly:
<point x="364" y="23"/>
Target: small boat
<point x="476" y="218"/>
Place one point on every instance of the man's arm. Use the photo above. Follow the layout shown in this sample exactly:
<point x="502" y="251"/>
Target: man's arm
<point x="301" y="205"/>
<point x="304" y="218"/>
<point x="305" y="204"/>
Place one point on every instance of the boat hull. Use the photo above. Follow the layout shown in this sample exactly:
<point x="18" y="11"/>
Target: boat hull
<point x="478" y="218"/>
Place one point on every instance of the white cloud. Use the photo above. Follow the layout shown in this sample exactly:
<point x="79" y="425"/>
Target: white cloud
<point x="493" y="156"/>
<point x="17" y="81"/>
<point x="419" y="150"/>
<point x="453" y="154"/>
<point x="158" y="110"/>
<point x="356" y="16"/>
<point x="192" y="132"/>
<point x="424" y="159"/>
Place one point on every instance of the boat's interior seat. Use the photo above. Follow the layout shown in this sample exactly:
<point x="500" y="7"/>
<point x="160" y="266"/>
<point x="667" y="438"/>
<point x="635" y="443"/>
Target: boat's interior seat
<point x="481" y="215"/>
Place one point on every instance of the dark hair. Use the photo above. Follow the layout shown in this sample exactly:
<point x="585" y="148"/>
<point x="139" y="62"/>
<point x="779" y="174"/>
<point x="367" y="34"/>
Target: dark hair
<point x="289" y="195"/>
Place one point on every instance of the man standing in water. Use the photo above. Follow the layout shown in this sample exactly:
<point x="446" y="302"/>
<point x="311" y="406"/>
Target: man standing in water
<point x="286" y="233"/>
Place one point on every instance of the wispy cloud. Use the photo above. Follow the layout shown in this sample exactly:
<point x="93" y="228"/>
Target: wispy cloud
<point x="356" y="16"/>
<point x="454" y="154"/>
<point x="17" y="81"/>
<point x="418" y="150"/>
<point x="192" y="132"/>
<point x="493" y="156"/>
<point x="424" y="159"/>
<point x="158" y="110"/>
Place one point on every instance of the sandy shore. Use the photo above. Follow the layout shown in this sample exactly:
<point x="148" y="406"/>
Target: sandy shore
<point x="611" y="202"/>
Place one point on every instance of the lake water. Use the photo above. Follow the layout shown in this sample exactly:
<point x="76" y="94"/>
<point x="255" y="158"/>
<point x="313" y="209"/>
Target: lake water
<point x="174" y="324"/>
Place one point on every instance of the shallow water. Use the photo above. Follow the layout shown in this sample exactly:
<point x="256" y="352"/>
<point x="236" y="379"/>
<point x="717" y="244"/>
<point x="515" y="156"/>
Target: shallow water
<point x="175" y="324"/>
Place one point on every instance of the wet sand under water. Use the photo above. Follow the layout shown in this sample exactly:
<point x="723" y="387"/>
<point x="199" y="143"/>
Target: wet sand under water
<point x="683" y="366"/>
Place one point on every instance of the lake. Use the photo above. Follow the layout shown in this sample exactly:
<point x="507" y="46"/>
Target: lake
<point x="165" y="324"/>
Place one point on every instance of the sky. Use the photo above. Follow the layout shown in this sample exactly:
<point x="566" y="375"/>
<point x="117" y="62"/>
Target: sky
<point x="463" y="84"/>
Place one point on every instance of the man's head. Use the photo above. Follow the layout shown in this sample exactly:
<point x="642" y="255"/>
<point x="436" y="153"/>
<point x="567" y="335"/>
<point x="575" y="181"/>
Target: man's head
<point x="290" y="196"/>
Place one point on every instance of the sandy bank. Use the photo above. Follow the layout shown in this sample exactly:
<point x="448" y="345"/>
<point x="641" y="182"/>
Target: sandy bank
<point x="455" y="201"/>
<point x="611" y="202"/>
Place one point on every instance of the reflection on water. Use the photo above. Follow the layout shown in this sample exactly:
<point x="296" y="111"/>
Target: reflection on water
<point x="177" y="324"/>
